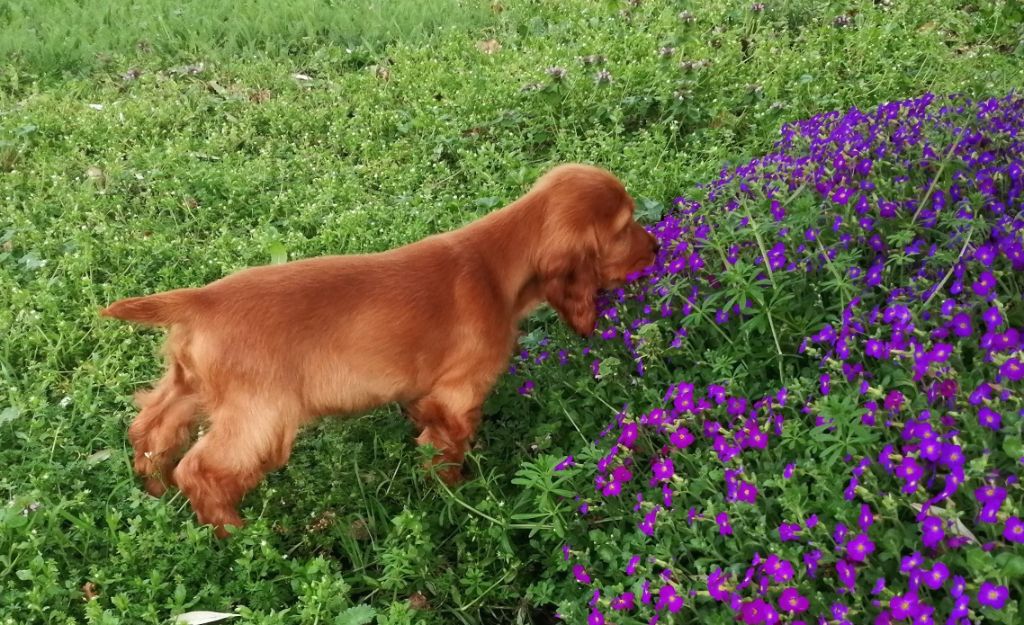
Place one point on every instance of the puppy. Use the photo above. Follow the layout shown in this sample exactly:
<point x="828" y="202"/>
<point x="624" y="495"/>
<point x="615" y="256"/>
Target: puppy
<point x="430" y="325"/>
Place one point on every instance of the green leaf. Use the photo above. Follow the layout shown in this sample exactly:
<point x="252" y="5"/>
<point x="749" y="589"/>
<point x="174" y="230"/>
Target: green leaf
<point x="1011" y="565"/>
<point x="356" y="615"/>
<point x="278" y="253"/>
<point x="607" y="366"/>
<point x="649" y="210"/>
<point x="9" y="414"/>
<point x="1012" y="446"/>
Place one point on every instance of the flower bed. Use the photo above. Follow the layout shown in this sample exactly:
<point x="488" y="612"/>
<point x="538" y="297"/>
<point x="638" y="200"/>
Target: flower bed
<point x="820" y="387"/>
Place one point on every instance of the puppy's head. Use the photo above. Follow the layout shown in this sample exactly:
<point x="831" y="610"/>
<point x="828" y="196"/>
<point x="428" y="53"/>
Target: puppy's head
<point x="589" y="240"/>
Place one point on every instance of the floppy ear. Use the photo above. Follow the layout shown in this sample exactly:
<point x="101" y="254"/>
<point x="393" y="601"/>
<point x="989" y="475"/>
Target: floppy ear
<point x="570" y="283"/>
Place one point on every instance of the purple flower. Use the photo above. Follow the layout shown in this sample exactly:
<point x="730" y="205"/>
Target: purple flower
<point x="746" y="492"/>
<point x="631" y="565"/>
<point x="984" y="285"/>
<point x="647" y="525"/>
<point x="860" y="548"/>
<point x="663" y="470"/>
<point x="979" y="394"/>
<point x="781" y="571"/>
<point x="936" y="576"/>
<point x="904" y="606"/>
<point x="756" y="612"/>
<point x="724" y="528"/>
<point x="669" y="599"/>
<point x="879" y="586"/>
<point x="990" y="496"/>
<point x="910" y="472"/>
<point x="736" y="405"/>
<point x="866" y="518"/>
<point x="792" y="601"/>
<point x="910" y="564"/>
<point x="565" y="464"/>
<point x="1013" y="530"/>
<point x="681" y="438"/>
<point x="789" y="532"/>
<point x="990" y="418"/>
<point x="625" y="601"/>
<point x="958" y="586"/>
<point x="992" y="596"/>
<point x="716" y="586"/>
<point x="960" y="608"/>
<point x="961" y="325"/>
<point x="876" y="349"/>
<point x="893" y="401"/>
<point x="847" y="574"/>
<point x="1012" y="370"/>
<point x="841" y="195"/>
<point x="755" y="438"/>
<point x="580" y="574"/>
<point x="811" y="560"/>
<point x="932" y="532"/>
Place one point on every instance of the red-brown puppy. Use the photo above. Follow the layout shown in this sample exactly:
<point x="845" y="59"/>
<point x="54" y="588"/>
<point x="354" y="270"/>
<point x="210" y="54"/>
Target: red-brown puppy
<point x="430" y="325"/>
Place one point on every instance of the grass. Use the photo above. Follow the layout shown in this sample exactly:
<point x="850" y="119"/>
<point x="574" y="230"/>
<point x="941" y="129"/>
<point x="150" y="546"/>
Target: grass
<point x="66" y="36"/>
<point x="126" y="169"/>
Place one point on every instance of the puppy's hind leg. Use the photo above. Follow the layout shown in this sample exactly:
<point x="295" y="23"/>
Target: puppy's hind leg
<point x="162" y="429"/>
<point x="246" y="439"/>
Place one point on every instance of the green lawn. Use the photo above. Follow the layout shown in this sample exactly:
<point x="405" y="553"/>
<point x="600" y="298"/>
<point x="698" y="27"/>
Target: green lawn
<point x="151" y="145"/>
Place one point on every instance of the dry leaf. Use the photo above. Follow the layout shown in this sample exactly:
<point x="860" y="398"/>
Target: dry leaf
<point x="489" y="46"/>
<point x="97" y="457"/>
<point x="89" y="590"/>
<point x="418" y="601"/>
<point x="300" y="76"/>
<point x="216" y="87"/>
<point x="322" y="521"/>
<point x="358" y="530"/>
<point x="202" y="617"/>
<point x="259" y="97"/>
<point x="958" y="528"/>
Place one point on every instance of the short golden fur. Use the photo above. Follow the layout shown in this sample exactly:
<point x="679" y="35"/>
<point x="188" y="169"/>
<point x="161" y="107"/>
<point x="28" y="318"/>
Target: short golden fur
<point x="430" y="325"/>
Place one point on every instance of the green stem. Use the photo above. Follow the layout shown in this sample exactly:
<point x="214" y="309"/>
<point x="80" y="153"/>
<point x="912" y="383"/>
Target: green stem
<point x="835" y="272"/>
<point x="573" y="421"/>
<point x="778" y="347"/>
<point x="760" y="245"/>
<point x="938" y="174"/>
<point x="469" y="507"/>
<point x="942" y="283"/>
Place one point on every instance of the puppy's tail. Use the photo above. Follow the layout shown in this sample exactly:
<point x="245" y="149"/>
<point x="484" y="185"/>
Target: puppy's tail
<point x="161" y="309"/>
